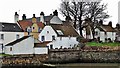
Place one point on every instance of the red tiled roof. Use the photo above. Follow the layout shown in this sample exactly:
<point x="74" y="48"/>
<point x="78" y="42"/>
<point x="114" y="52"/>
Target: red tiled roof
<point x="24" y="24"/>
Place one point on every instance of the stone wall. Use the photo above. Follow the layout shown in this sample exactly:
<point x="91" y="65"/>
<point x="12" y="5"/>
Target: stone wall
<point x="24" y="59"/>
<point x="72" y="55"/>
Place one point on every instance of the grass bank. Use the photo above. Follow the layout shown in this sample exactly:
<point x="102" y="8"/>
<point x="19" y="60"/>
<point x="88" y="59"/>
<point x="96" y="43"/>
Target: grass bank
<point x="102" y="44"/>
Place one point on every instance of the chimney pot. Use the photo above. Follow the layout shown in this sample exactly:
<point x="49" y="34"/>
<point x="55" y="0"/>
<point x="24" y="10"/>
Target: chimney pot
<point x="55" y="13"/>
<point x="42" y="13"/>
<point x="34" y="15"/>
<point x="23" y="17"/>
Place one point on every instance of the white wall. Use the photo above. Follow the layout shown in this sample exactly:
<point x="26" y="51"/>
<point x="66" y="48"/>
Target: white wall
<point x="23" y="47"/>
<point x="10" y="36"/>
<point x="65" y="42"/>
<point x="7" y="50"/>
<point x="56" y="20"/>
<point x="102" y="36"/>
<point x="48" y="36"/>
<point x="41" y="50"/>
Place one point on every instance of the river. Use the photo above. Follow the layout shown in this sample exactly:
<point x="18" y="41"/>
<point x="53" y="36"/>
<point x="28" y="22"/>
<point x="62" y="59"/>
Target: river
<point x="72" y="65"/>
<point x="89" y="65"/>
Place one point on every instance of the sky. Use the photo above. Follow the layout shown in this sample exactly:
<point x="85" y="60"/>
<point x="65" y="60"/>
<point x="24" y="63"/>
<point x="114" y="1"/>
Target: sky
<point x="30" y="7"/>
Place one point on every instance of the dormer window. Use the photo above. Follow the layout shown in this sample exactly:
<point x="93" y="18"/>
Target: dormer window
<point x="3" y="26"/>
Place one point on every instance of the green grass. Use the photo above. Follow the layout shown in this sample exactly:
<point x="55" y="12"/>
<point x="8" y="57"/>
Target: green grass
<point x="5" y="55"/>
<point x="102" y="44"/>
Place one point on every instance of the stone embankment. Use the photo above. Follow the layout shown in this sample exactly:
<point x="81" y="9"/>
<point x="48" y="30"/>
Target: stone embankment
<point x="24" y="59"/>
<point x="86" y="54"/>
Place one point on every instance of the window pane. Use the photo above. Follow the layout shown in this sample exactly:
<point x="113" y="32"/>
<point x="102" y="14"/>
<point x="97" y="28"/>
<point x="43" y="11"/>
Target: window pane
<point x="2" y="36"/>
<point x="42" y="38"/>
<point x="53" y="37"/>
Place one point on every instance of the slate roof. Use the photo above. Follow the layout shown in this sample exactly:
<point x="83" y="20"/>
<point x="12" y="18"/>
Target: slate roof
<point x="46" y="18"/>
<point x="9" y="27"/>
<point x="106" y="28"/>
<point x="17" y="41"/>
<point x="67" y="30"/>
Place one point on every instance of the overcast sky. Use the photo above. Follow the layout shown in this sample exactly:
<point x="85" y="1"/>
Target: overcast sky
<point x="30" y="7"/>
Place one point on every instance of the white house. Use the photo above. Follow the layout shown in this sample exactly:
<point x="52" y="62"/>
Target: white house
<point x="8" y="33"/>
<point x="25" y="45"/>
<point x="59" y="36"/>
<point x="105" y="33"/>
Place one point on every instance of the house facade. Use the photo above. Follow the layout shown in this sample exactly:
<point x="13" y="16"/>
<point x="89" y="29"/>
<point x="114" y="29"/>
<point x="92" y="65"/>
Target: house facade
<point x="59" y="36"/>
<point x="105" y="33"/>
<point x="8" y="33"/>
<point x="20" y="46"/>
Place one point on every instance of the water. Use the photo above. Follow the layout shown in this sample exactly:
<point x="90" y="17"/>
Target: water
<point x="90" y="65"/>
<point x="73" y="65"/>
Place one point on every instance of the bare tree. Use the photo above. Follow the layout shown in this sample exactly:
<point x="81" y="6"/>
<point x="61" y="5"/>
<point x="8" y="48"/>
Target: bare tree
<point x="80" y="10"/>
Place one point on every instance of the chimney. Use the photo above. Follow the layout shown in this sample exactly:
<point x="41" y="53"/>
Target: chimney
<point x="16" y="17"/>
<point x="68" y="18"/>
<point x="42" y="17"/>
<point x="33" y="15"/>
<point x="55" y="13"/>
<point x="101" y="22"/>
<point x="24" y="17"/>
<point x="110" y="23"/>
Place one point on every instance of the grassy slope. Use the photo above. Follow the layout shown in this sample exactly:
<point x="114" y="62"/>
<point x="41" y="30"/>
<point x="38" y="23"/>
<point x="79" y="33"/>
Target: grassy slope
<point x="102" y="44"/>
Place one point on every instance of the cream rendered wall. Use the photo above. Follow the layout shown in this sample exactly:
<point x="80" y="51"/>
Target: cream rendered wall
<point x="102" y="36"/>
<point x="65" y="42"/>
<point x="41" y="50"/>
<point x="47" y="32"/>
<point x="7" y="50"/>
<point x="10" y="36"/>
<point x="23" y="47"/>
<point x="111" y="35"/>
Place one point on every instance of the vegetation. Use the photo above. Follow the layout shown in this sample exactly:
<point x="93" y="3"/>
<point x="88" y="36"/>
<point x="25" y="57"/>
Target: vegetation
<point x="5" y="55"/>
<point x="78" y="10"/>
<point x="102" y="44"/>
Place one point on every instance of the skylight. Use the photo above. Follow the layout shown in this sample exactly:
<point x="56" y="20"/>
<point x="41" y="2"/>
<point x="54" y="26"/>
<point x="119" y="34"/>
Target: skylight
<point x="60" y="32"/>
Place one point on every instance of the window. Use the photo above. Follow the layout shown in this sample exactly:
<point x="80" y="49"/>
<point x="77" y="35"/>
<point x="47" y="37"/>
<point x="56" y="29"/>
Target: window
<point x="105" y="33"/>
<point x="60" y="32"/>
<point x="3" y="26"/>
<point x="17" y="36"/>
<point x="53" y="37"/>
<point x="10" y="48"/>
<point x="47" y="31"/>
<point x="51" y="46"/>
<point x="2" y="36"/>
<point x="69" y="37"/>
<point x="96" y="33"/>
<point x="60" y="38"/>
<point x="42" y="38"/>
<point x="33" y="27"/>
